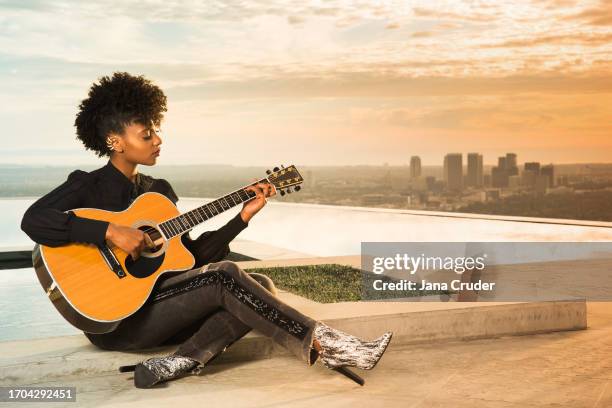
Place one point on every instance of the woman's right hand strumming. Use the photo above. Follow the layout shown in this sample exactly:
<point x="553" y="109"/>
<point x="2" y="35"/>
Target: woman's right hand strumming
<point x="131" y="240"/>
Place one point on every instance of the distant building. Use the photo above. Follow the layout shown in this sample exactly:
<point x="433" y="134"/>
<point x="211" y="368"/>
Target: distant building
<point x="549" y="171"/>
<point x="528" y="178"/>
<point x="415" y="167"/>
<point x="430" y="181"/>
<point x="453" y="171"/>
<point x="511" y="167"/>
<point x="514" y="181"/>
<point x="419" y="184"/>
<point x="499" y="177"/>
<point x="474" y="170"/>
<point x="506" y="167"/>
<point x="533" y="167"/>
<point x="530" y="173"/>
<point x="542" y="183"/>
<point x="492" y="195"/>
<point x="487" y="180"/>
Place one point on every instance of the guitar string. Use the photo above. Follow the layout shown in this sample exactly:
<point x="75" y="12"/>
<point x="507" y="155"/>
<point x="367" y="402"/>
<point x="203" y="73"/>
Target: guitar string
<point x="149" y="230"/>
<point x="242" y="190"/>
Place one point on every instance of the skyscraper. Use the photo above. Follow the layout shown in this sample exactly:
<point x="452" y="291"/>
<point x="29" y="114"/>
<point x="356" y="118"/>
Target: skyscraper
<point x="499" y="176"/>
<point x="453" y="171"/>
<point x="415" y="167"/>
<point x="549" y="171"/>
<point x="533" y="166"/>
<point x="530" y="174"/>
<point x="506" y="167"/>
<point x="511" y="167"/>
<point x="474" y="170"/>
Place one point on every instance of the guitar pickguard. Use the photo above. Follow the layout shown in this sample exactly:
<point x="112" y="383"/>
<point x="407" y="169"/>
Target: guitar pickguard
<point x="144" y="266"/>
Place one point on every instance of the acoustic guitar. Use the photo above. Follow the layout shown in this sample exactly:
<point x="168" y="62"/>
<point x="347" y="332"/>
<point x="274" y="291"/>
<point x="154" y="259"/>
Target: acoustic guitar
<point x="95" y="287"/>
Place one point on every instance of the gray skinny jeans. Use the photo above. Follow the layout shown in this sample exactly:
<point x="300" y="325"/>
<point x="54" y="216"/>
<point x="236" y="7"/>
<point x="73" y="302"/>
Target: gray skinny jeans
<point x="206" y="310"/>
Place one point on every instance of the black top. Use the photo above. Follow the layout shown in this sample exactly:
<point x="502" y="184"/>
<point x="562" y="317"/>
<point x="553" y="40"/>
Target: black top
<point x="49" y="222"/>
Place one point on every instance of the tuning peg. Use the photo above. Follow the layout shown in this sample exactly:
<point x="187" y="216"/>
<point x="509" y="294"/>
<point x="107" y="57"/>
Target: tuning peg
<point x="282" y="192"/>
<point x="297" y="188"/>
<point x="288" y="191"/>
<point x="268" y="171"/>
<point x="282" y="167"/>
<point x="276" y="169"/>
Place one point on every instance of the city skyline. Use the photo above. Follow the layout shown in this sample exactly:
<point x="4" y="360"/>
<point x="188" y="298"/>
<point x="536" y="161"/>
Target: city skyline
<point x="318" y="83"/>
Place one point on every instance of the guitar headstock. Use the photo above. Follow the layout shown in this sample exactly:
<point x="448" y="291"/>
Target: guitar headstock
<point x="285" y="178"/>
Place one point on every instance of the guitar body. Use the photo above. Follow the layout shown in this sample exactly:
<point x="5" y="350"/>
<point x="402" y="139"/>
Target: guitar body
<point x="93" y="287"/>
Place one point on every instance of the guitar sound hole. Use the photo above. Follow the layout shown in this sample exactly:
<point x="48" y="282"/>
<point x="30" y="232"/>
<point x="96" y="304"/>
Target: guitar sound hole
<point x="155" y="236"/>
<point x="146" y="265"/>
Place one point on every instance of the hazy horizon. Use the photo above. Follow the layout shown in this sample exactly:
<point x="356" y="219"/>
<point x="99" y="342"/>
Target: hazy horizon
<point x="407" y="164"/>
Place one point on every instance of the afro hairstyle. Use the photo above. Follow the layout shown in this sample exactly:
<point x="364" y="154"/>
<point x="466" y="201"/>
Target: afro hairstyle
<point x="115" y="103"/>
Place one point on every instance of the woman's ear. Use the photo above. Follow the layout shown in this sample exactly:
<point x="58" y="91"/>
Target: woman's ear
<point x="114" y="143"/>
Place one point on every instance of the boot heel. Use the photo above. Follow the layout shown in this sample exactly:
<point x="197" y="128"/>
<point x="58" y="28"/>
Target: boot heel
<point x="345" y="371"/>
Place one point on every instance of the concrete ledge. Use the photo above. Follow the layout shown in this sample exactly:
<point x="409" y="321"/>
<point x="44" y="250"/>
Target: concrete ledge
<point x="28" y="362"/>
<point x="32" y="361"/>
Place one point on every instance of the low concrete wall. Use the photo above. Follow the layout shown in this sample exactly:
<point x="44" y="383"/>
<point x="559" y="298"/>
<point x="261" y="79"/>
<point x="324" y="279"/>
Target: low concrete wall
<point x="27" y="362"/>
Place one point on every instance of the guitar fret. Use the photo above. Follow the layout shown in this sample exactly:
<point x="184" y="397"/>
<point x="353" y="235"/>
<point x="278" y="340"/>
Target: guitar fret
<point x="207" y="211"/>
<point x="169" y="228"/>
<point x="176" y="225"/>
<point x="203" y="211"/>
<point x="192" y="219"/>
<point x="183" y="222"/>
<point x="163" y="230"/>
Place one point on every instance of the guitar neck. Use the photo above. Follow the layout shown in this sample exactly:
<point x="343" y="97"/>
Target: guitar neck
<point x="178" y="225"/>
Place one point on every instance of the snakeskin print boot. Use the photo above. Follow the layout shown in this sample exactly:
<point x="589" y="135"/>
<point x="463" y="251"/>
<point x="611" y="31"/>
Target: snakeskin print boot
<point x="340" y="349"/>
<point x="159" y="369"/>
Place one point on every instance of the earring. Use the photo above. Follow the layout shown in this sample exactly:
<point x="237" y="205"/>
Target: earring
<point x="110" y="141"/>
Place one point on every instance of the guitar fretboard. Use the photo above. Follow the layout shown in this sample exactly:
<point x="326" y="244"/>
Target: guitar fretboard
<point x="184" y="222"/>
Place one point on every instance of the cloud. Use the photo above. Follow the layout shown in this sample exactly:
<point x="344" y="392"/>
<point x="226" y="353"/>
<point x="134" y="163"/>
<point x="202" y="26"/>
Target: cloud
<point x="295" y="19"/>
<point x="422" y="34"/>
<point x="578" y="38"/>
<point x="268" y="66"/>
<point x="596" y="16"/>
<point x="444" y="15"/>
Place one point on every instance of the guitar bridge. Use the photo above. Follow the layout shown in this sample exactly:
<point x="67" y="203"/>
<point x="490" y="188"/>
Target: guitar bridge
<point x="111" y="260"/>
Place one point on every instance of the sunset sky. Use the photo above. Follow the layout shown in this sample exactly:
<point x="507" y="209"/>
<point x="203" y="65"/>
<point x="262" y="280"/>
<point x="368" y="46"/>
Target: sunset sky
<point x="318" y="83"/>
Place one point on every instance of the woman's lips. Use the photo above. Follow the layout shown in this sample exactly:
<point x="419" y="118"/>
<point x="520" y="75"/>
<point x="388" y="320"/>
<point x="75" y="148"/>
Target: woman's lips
<point x="156" y="153"/>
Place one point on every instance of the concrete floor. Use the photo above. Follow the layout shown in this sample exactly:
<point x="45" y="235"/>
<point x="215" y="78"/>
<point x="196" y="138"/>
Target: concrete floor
<point x="563" y="369"/>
